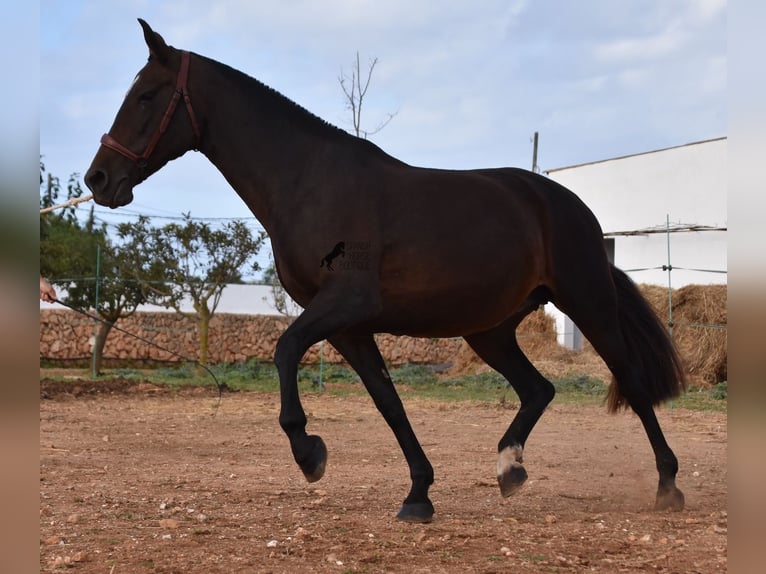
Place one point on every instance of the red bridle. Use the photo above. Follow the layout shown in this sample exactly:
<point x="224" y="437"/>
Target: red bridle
<point x="181" y="90"/>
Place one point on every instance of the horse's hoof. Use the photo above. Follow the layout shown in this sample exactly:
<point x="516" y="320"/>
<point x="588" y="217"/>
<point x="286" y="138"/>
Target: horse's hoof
<point x="421" y="512"/>
<point x="671" y="499"/>
<point x="510" y="472"/>
<point x="314" y="463"/>
<point x="512" y="480"/>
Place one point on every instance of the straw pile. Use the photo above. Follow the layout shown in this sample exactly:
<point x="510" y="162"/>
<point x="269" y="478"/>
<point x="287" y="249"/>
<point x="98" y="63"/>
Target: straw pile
<point x="537" y="338"/>
<point x="699" y="317"/>
<point x="699" y="328"/>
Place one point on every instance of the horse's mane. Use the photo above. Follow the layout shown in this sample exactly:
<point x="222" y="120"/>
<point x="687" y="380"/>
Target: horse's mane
<point x="268" y="96"/>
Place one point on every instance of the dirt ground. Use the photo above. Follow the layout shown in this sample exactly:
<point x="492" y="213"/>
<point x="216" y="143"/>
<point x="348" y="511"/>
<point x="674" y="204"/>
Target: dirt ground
<point x="135" y="479"/>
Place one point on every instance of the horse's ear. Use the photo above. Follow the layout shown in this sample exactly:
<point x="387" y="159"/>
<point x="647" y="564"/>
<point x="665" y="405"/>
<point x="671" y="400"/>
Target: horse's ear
<point x="157" y="47"/>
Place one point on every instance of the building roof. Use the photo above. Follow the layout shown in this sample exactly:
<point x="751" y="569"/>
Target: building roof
<point x="547" y="171"/>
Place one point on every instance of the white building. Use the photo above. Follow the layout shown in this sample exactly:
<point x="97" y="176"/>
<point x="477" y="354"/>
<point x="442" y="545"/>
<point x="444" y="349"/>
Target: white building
<point x="235" y="299"/>
<point x="659" y="209"/>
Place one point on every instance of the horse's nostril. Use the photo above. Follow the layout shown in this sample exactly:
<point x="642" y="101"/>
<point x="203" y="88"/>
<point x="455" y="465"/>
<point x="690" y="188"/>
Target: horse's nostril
<point x="96" y="180"/>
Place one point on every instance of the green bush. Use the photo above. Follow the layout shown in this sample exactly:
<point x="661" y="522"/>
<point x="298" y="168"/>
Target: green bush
<point x="579" y="383"/>
<point x="720" y="391"/>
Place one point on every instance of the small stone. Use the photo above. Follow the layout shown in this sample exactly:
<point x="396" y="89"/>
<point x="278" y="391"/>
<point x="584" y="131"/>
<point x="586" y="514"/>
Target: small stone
<point x="505" y="551"/>
<point x="695" y="473"/>
<point x="201" y="517"/>
<point x="73" y="518"/>
<point x="646" y="538"/>
<point x="53" y="540"/>
<point x="271" y="544"/>
<point x="168" y="523"/>
<point x="167" y="536"/>
<point x="550" y="519"/>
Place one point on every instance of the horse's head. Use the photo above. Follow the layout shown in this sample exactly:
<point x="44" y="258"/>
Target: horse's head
<point x="150" y="128"/>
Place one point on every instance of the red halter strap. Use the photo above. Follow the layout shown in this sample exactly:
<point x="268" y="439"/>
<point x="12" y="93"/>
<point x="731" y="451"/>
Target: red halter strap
<point x="181" y="90"/>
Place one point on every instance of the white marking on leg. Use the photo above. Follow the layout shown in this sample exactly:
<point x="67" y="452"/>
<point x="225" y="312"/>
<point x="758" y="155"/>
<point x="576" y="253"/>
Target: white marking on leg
<point x="509" y="457"/>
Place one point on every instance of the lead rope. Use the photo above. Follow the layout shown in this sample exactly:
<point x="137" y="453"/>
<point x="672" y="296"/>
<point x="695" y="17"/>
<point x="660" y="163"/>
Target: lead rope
<point x="73" y="201"/>
<point x="220" y="386"/>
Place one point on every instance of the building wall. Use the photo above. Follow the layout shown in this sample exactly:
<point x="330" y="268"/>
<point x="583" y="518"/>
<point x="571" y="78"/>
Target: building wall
<point x="236" y="299"/>
<point x="674" y="187"/>
<point x="686" y="184"/>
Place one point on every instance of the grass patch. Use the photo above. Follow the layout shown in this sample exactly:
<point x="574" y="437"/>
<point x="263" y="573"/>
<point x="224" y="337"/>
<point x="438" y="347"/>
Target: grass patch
<point x="412" y="381"/>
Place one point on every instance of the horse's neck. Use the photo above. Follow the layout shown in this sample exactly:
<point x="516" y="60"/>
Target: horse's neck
<point x="263" y="158"/>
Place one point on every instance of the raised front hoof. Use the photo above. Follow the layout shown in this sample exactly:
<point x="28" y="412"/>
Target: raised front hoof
<point x="313" y="464"/>
<point x="512" y="480"/>
<point x="420" y="512"/>
<point x="671" y="499"/>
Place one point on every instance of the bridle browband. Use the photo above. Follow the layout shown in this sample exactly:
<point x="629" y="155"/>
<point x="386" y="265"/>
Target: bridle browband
<point x="181" y="90"/>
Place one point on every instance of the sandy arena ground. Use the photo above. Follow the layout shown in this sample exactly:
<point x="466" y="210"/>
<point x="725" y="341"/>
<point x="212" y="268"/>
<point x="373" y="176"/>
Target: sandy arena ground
<point x="135" y="479"/>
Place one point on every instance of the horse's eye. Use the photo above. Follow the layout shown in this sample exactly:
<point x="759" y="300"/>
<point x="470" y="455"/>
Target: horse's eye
<point x="146" y="97"/>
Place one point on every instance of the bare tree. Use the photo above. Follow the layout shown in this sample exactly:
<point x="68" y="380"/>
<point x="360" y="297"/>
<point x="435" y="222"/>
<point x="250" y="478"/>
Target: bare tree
<point x="355" y="91"/>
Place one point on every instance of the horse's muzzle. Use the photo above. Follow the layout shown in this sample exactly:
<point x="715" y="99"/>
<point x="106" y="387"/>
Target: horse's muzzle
<point x="115" y="196"/>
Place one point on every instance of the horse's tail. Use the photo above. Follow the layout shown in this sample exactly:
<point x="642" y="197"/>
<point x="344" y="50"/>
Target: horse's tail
<point x="649" y="346"/>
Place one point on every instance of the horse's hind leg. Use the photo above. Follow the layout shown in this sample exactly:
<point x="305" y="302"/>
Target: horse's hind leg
<point x="499" y="348"/>
<point x="363" y="355"/>
<point x="627" y="335"/>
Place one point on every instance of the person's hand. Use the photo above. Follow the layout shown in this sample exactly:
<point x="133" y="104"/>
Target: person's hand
<point x="47" y="292"/>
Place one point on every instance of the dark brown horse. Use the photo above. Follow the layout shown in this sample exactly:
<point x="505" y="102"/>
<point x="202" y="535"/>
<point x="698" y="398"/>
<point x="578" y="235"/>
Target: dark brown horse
<point x="521" y="239"/>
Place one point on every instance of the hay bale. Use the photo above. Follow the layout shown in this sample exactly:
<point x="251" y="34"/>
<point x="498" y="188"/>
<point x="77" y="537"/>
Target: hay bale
<point x="537" y="338"/>
<point x="699" y="317"/>
<point x="699" y="328"/>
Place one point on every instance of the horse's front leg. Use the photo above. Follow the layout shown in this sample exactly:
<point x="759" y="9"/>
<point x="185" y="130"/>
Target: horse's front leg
<point x="329" y="312"/>
<point x="364" y="356"/>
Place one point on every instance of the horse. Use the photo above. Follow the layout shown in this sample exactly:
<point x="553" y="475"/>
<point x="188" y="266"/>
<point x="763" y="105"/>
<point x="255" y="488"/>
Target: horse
<point x="523" y="240"/>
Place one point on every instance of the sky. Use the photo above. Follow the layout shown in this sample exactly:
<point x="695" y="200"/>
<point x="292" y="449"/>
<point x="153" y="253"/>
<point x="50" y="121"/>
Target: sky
<point x="469" y="82"/>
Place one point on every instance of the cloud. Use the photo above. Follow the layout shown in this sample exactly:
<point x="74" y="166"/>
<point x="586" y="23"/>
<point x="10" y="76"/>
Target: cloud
<point x="647" y="47"/>
<point x="472" y="81"/>
<point x="707" y="10"/>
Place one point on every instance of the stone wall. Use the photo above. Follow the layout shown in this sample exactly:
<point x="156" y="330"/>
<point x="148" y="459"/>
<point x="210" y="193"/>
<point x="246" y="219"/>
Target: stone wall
<point x="68" y="336"/>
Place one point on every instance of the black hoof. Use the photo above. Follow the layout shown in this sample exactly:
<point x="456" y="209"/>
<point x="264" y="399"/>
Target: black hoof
<point x="671" y="499"/>
<point x="421" y="512"/>
<point x="313" y="464"/>
<point x="512" y="480"/>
